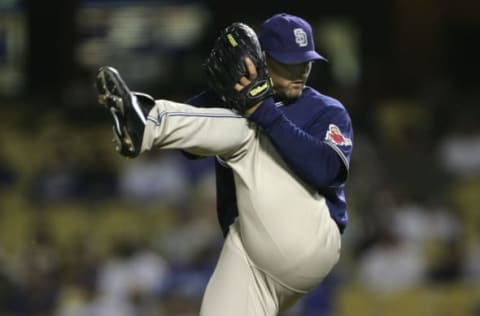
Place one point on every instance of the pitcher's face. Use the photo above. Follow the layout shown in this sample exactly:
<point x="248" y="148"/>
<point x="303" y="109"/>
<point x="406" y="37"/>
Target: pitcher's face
<point x="289" y="80"/>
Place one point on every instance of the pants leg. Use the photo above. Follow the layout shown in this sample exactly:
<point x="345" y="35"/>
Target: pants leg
<point x="201" y="131"/>
<point x="237" y="288"/>
<point x="285" y="224"/>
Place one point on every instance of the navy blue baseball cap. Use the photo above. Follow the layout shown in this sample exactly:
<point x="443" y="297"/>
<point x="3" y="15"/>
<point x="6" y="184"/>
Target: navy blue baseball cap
<point x="288" y="39"/>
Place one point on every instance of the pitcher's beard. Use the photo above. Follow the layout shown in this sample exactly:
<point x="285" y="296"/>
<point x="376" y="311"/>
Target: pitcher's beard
<point x="285" y="97"/>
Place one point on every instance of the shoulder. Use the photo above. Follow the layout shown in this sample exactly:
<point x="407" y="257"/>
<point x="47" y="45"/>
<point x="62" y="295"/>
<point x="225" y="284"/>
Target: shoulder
<point x="204" y="99"/>
<point x="324" y="104"/>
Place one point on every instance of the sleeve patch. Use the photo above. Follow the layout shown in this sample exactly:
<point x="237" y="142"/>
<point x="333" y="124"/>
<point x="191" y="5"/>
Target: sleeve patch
<point x="335" y="136"/>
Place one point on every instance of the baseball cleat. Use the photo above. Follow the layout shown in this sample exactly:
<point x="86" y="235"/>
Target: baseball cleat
<point x="128" y="116"/>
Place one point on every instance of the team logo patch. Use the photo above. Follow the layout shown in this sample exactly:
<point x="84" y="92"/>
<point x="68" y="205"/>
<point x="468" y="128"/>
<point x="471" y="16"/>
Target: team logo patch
<point x="300" y="37"/>
<point x="335" y="136"/>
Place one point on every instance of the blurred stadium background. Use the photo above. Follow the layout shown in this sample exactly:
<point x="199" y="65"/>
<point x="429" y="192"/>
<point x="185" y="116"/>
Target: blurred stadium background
<point x="85" y="232"/>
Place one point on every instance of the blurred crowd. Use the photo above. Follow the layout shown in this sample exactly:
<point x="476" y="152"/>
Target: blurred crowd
<point x="86" y="232"/>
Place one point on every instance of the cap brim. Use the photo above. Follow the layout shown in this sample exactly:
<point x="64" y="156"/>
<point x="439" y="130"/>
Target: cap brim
<point x="296" y="58"/>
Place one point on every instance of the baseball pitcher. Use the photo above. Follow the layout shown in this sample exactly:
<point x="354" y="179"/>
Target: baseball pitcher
<point x="283" y="152"/>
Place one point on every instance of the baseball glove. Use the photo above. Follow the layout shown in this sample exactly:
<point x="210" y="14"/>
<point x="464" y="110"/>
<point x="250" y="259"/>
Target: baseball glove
<point x="225" y="66"/>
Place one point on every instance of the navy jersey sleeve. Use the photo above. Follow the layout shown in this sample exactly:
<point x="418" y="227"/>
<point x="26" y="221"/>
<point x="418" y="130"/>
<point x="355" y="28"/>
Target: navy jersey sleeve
<point x="318" y="154"/>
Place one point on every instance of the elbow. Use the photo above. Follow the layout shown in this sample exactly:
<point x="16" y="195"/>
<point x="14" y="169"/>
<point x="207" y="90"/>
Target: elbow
<point x="341" y="176"/>
<point x="335" y="175"/>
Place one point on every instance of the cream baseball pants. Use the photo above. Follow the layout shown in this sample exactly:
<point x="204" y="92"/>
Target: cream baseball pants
<point x="284" y="241"/>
